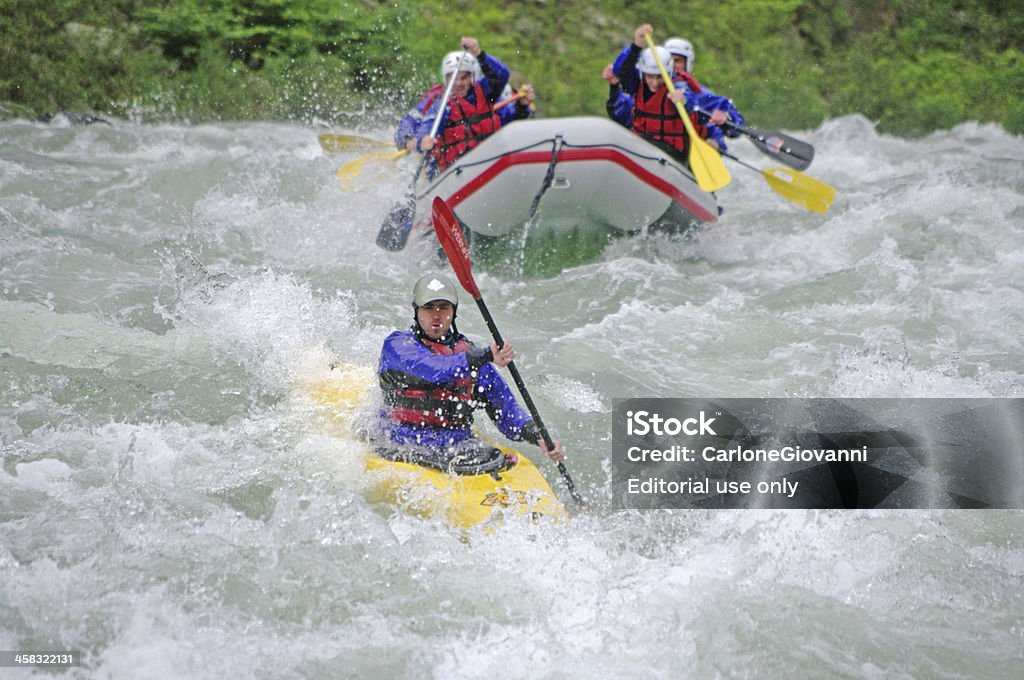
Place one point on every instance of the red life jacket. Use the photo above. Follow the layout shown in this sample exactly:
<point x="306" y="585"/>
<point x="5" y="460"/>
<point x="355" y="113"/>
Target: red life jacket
<point x="448" y="405"/>
<point x="657" y="119"/>
<point x="468" y="124"/>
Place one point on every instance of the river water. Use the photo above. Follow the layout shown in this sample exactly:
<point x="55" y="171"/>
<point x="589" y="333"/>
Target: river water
<point x="169" y="509"/>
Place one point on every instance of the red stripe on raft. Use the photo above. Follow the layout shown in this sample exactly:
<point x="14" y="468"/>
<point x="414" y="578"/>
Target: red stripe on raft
<point x="571" y="155"/>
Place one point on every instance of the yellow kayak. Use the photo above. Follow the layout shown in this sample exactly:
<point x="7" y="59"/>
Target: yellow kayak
<point x="341" y="396"/>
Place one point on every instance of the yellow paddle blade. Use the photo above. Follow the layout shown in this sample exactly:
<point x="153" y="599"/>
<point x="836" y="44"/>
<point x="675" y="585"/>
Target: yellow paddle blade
<point x="349" y="171"/>
<point x="800" y="188"/>
<point x="334" y="143"/>
<point x="706" y="163"/>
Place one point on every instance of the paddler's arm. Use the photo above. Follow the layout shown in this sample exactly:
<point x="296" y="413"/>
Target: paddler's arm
<point x="557" y="455"/>
<point x="401" y="355"/>
<point x="712" y="104"/>
<point x="619" y="105"/>
<point x="713" y="111"/>
<point x="415" y="125"/>
<point x="421" y="141"/>
<point x="531" y="434"/>
<point x="627" y="80"/>
<point x="700" y="128"/>
<point x="626" y="64"/>
<point x="495" y="74"/>
<point x="511" y="418"/>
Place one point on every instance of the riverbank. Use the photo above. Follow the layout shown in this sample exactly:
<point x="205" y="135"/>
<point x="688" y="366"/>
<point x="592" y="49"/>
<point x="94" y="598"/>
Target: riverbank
<point x="911" y="67"/>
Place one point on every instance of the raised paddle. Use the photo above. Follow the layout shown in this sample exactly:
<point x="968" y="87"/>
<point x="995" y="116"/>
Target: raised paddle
<point x="789" y="150"/>
<point x="795" y="186"/>
<point x="394" y="232"/>
<point x="707" y="165"/>
<point x="446" y="225"/>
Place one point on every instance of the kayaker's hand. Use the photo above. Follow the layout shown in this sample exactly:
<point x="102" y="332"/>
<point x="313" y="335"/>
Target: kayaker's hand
<point x="676" y="96"/>
<point x="640" y="32"/>
<point x="557" y="454"/>
<point x="478" y="356"/>
<point x="410" y="145"/>
<point x="426" y="144"/>
<point x="504" y="355"/>
<point x="609" y="75"/>
<point x="718" y="116"/>
<point x="472" y="45"/>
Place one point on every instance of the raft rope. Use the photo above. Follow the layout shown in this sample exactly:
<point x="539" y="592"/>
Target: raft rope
<point x="549" y="177"/>
<point x="458" y="168"/>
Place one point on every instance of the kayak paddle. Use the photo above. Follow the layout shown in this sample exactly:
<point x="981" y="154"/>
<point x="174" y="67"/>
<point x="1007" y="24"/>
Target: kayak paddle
<point x="446" y="225"/>
<point x="394" y="232"/>
<point x="795" y="186"/>
<point x="707" y="165"/>
<point x="334" y="143"/>
<point x="352" y="169"/>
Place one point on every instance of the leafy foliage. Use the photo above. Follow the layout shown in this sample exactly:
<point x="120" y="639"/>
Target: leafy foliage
<point x="910" y="65"/>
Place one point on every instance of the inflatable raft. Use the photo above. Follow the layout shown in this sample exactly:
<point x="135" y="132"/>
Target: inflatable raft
<point x="341" y="398"/>
<point x="572" y="176"/>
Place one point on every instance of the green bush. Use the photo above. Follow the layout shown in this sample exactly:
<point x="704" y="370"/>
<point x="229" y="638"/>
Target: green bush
<point x="911" y="66"/>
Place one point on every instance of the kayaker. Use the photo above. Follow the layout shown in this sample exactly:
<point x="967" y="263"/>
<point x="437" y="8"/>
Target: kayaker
<point x="433" y="378"/>
<point x="469" y="117"/>
<point x="653" y="114"/>
<point x="713" y="110"/>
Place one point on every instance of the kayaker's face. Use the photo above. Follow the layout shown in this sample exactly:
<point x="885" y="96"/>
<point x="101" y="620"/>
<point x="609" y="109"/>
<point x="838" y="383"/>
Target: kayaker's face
<point x="653" y="81"/>
<point x="462" y="82"/>
<point x="435" y="318"/>
<point x="679" y="61"/>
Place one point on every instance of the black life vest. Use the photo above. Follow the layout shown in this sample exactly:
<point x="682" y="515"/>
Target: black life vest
<point x="447" y="405"/>
<point x="656" y="118"/>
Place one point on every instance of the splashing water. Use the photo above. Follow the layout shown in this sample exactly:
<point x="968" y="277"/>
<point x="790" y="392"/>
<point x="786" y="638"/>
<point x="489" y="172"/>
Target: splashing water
<point x="168" y="509"/>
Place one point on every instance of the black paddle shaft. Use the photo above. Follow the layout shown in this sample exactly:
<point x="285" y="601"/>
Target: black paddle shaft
<point x="529" y="401"/>
<point x="394" y="232"/>
<point x="791" y="151"/>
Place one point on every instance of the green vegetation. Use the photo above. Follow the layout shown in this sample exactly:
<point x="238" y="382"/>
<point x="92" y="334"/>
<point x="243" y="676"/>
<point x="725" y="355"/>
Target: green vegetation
<point x="912" y="65"/>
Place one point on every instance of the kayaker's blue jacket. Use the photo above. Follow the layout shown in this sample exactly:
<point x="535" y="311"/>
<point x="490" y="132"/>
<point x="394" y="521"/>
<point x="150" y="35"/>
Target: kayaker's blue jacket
<point x="704" y="101"/>
<point x="405" y="361"/>
<point x="420" y="118"/>
<point x="619" y="106"/>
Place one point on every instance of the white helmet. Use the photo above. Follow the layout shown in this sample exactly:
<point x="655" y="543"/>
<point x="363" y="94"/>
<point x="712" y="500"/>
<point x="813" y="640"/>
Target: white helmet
<point x="450" y="64"/>
<point x="683" y="48"/>
<point x="649" y="64"/>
